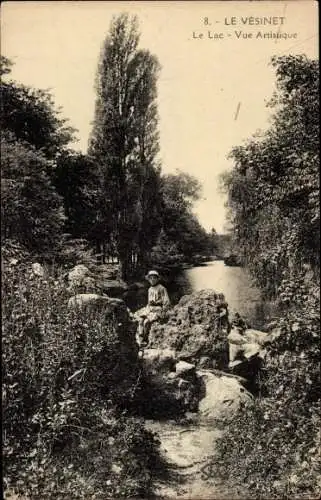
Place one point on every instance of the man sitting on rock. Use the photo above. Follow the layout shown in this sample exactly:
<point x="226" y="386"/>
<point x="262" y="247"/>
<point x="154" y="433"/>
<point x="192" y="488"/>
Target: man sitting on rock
<point x="158" y="303"/>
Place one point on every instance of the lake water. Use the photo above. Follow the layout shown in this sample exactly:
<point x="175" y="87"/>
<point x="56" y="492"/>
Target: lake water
<point x="235" y="282"/>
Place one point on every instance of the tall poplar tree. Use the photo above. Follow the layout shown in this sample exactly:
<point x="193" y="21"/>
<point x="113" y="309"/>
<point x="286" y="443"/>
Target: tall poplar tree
<point x="124" y="139"/>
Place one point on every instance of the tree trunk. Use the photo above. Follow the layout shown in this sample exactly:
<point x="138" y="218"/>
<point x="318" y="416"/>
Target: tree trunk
<point x="124" y="258"/>
<point x="98" y="252"/>
<point x="123" y="267"/>
<point x="104" y="252"/>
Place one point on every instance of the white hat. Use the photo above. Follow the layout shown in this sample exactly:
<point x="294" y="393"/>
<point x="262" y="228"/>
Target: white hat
<point x="152" y="273"/>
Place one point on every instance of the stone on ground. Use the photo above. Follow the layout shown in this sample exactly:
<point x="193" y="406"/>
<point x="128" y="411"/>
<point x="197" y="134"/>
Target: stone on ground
<point x="223" y="397"/>
<point x="38" y="269"/>
<point x="159" y="360"/>
<point x="184" y="369"/>
<point x="93" y="301"/>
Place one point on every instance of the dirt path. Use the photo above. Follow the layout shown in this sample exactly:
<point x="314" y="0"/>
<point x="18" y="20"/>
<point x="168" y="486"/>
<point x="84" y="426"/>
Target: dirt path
<point x="187" y="450"/>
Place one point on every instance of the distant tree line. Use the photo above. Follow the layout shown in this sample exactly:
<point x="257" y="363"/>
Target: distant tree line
<point x="115" y="197"/>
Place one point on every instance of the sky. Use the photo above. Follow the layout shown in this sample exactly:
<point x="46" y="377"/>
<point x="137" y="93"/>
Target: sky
<point x="214" y="83"/>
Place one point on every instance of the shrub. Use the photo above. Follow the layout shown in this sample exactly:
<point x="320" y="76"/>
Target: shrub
<point x="66" y="382"/>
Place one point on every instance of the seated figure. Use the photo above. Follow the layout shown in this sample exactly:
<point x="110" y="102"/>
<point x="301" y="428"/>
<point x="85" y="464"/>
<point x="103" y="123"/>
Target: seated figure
<point x="222" y="312"/>
<point x="237" y="340"/>
<point x="158" y="303"/>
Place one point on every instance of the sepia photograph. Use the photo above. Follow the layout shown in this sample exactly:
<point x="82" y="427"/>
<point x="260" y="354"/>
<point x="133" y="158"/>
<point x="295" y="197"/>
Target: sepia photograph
<point x="160" y="250"/>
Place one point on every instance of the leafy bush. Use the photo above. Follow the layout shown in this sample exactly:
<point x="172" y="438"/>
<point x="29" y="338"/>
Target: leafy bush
<point x="67" y="379"/>
<point x="166" y="254"/>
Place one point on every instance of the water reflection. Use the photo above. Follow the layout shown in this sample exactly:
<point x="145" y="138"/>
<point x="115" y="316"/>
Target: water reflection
<point x="236" y="284"/>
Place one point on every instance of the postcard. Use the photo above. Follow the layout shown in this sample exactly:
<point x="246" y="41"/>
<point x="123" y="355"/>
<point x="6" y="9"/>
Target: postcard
<point x="160" y="211"/>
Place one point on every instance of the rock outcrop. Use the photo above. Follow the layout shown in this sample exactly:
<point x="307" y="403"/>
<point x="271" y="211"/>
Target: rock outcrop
<point x="223" y="397"/>
<point x="101" y="279"/>
<point x="194" y="330"/>
<point x="114" y="311"/>
<point x="178" y="387"/>
<point x="81" y="280"/>
<point x="189" y="352"/>
<point x="174" y="385"/>
<point x="249" y="344"/>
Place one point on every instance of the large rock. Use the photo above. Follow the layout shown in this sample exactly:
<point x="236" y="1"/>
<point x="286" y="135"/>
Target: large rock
<point x="113" y="287"/>
<point x="94" y="301"/>
<point x="81" y="280"/>
<point x="158" y="361"/>
<point x="193" y="330"/>
<point x="223" y="397"/>
<point x="237" y="341"/>
<point x="174" y="386"/>
<point x="113" y="310"/>
<point x="101" y="280"/>
<point x="244" y="346"/>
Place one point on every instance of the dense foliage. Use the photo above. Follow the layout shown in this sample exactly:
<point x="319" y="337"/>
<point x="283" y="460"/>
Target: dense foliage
<point x="31" y="116"/>
<point x="274" y="447"/>
<point x="31" y="209"/>
<point x="274" y="186"/>
<point x="76" y="179"/>
<point x="32" y="136"/>
<point x="65" y="432"/>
